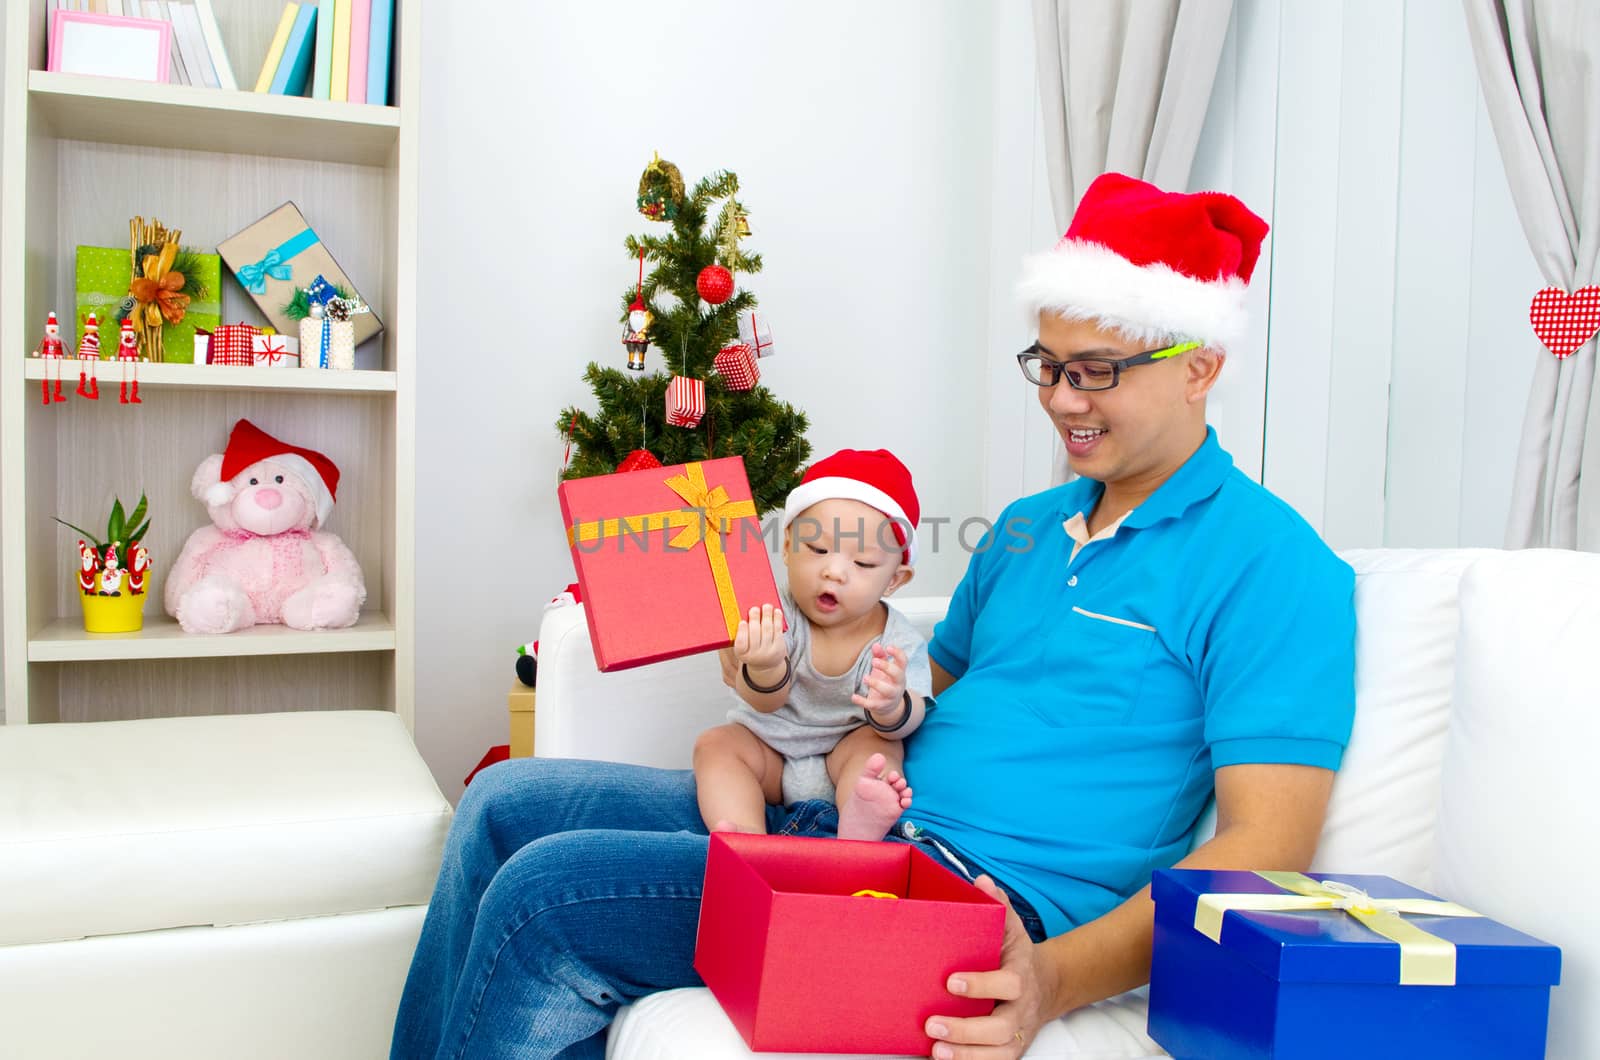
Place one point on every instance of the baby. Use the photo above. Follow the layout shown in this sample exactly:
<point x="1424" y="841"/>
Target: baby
<point x="835" y="680"/>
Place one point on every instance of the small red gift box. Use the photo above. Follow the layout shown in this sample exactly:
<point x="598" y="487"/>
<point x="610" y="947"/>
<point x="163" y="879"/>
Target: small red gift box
<point x="736" y="363"/>
<point x="801" y="964"/>
<point x="233" y="344"/>
<point x="668" y="559"/>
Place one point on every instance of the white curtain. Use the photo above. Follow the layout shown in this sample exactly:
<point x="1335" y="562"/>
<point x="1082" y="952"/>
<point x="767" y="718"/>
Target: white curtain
<point x="1125" y="87"/>
<point x="1539" y="65"/>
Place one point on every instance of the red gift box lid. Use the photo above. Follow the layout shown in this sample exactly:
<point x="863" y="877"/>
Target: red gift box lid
<point x="647" y="545"/>
<point x="801" y="964"/>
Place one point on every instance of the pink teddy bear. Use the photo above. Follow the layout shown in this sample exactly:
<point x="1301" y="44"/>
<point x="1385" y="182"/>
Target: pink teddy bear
<point x="264" y="560"/>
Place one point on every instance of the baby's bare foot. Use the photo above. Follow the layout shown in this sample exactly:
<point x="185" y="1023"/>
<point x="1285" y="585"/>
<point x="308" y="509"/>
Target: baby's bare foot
<point x="726" y="825"/>
<point x="881" y="796"/>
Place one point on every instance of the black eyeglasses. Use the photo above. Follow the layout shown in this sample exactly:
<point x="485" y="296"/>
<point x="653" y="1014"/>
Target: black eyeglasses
<point x="1090" y="373"/>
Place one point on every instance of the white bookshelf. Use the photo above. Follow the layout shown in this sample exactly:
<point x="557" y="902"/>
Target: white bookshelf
<point x="80" y="156"/>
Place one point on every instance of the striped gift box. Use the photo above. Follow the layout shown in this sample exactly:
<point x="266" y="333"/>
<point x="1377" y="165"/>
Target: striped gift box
<point x="736" y="363"/>
<point x="686" y="401"/>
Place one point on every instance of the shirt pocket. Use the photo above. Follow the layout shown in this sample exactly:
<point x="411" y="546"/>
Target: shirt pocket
<point x="1110" y="654"/>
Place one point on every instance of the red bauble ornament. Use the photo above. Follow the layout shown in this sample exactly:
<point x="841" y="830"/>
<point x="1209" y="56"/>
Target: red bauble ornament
<point x="715" y="284"/>
<point x="638" y="460"/>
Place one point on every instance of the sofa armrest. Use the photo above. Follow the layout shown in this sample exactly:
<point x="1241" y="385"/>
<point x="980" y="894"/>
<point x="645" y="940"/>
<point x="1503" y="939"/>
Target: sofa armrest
<point x="649" y="715"/>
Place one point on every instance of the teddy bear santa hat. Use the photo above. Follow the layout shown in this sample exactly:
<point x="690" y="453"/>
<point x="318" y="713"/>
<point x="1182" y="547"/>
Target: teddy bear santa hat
<point x="249" y="444"/>
<point x="1151" y="264"/>
<point x="874" y="477"/>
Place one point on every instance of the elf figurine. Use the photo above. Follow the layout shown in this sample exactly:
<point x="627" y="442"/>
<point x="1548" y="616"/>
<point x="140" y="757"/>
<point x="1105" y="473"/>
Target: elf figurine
<point x="128" y="356"/>
<point x="111" y="575"/>
<point x="89" y="354"/>
<point x="138" y="568"/>
<point x="88" y="567"/>
<point x="54" y="352"/>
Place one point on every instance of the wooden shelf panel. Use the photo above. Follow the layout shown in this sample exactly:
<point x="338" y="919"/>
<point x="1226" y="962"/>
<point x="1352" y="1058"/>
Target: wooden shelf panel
<point x="65" y="641"/>
<point x="146" y="114"/>
<point x="222" y="377"/>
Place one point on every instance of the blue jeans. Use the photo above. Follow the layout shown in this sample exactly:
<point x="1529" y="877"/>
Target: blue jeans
<point x="568" y="889"/>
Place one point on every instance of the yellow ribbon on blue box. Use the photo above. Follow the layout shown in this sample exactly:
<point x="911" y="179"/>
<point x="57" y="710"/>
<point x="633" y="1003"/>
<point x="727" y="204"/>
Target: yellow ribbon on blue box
<point x="1425" y="958"/>
<point x="706" y="517"/>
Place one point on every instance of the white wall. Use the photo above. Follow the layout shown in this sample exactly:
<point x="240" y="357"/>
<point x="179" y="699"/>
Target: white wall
<point x="861" y="136"/>
<point x="1401" y="353"/>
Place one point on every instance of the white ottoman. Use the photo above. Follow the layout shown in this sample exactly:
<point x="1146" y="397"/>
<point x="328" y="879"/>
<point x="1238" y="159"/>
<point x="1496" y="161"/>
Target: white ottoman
<point x="240" y="885"/>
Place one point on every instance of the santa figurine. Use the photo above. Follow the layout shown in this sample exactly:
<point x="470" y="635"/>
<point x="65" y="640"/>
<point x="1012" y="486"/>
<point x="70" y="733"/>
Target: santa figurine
<point x="89" y="355"/>
<point x="88" y="566"/>
<point x="138" y="567"/>
<point x="54" y="351"/>
<point x="128" y="357"/>
<point x="111" y="575"/>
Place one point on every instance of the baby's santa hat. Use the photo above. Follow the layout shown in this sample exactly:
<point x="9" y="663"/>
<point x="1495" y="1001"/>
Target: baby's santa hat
<point x="875" y="478"/>
<point x="249" y="444"/>
<point x="1150" y="264"/>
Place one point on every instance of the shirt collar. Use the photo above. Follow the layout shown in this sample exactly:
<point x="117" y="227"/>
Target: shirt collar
<point x="1200" y="476"/>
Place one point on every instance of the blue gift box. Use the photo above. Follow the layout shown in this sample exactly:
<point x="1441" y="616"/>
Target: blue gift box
<point x="1295" y="984"/>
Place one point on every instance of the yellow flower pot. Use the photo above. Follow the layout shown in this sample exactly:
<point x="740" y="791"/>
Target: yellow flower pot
<point x="113" y="614"/>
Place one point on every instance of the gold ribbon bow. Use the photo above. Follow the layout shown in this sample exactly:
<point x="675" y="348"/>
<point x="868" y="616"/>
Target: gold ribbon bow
<point x="708" y="514"/>
<point x="159" y="290"/>
<point x="1425" y="958"/>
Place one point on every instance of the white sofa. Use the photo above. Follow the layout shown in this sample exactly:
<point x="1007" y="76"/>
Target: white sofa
<point x="1471" y="771"/>
<point x="241" y="886"/>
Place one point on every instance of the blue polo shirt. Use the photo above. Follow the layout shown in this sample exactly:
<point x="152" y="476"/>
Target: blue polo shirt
<point x="1096" y="694"/>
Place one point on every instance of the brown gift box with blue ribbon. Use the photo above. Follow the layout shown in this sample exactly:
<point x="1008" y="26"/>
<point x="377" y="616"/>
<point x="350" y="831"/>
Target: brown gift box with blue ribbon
<point x="281" y="252"/>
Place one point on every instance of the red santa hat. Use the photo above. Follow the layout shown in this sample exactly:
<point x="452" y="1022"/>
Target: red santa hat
<point x="875" y="478"/>
<point x="52" y="321"/>
<point x="1151" y="264"/>
<point x="249" y="444"/>
<point x="91" y="322"/>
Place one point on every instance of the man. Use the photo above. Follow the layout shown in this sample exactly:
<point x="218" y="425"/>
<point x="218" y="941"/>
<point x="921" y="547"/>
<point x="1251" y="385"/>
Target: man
<point x="1119" y="648"/>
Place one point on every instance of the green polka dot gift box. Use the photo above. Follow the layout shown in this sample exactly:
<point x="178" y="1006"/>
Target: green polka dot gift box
<point x="102" y="278"/>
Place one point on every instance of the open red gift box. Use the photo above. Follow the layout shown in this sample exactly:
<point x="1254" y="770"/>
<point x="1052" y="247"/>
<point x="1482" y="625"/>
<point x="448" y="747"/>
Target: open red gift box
<point x="802" y="965"/>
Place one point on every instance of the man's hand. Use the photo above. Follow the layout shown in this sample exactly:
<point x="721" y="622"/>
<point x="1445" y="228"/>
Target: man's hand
<point x="885" y="686"/>
<point x="1019" y="986"/>
<point x="758" y="644"/>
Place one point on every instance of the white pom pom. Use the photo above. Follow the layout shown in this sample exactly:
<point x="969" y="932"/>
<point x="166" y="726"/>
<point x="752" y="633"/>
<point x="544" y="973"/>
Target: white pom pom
<point x="219" y="494"/>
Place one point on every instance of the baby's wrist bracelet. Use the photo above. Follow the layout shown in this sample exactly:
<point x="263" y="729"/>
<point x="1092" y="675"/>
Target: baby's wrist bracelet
<point x="788" y="672"/>
<point x="905" y="715"/>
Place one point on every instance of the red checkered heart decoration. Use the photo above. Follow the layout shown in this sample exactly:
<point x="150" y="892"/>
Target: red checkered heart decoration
<point x="1565" y="321"/>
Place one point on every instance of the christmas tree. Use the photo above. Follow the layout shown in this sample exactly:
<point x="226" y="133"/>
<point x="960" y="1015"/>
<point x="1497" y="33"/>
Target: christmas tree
<point x="692" y="264"/>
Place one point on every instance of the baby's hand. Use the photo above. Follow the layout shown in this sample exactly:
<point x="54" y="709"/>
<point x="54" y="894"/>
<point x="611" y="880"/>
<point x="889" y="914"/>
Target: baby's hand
<point x="885" y="685"/>
<point x="758" y="642"/>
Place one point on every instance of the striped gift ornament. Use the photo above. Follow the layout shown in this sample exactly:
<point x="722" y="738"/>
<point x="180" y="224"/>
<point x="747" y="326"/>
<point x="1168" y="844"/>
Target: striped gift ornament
<point x="736" y="363"/>
<point x="686" y="401"/>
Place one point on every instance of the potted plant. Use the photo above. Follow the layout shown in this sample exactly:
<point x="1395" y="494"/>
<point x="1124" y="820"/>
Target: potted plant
<point x="113" y="574"/>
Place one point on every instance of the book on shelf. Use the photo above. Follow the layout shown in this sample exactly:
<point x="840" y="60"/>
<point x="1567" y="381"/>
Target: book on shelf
<point x="280" y="38"/>
<point x="339" y="88"/>
<point x="322" y="76"/>
<point x="294" y="68"/>
<point x="380" y="44"/>
<point x="192" y="41"/>
<point x="360" y="34"/>
<point x="213" y="35"/>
